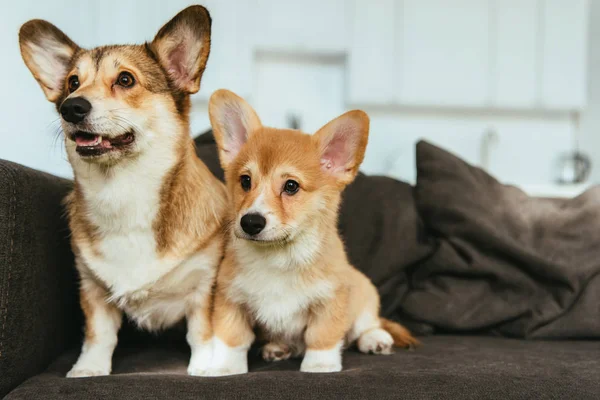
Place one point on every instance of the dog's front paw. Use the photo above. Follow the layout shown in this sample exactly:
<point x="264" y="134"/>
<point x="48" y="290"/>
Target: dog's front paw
<point x="83" y="373"/>
<point x="225" y="371"/>
<point x="376" y="341"/>
<point x="276" y="352"/>
<point x="320" y="367"/>
<point x="322" y="360"/>
<point x="200" y="360"/>
<point x="198" y="371"/>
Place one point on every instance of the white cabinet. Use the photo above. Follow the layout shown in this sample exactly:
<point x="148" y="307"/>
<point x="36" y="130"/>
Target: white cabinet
<point x="505" y="54"/>
<point x="445" y="53"/>
<point x="515" y="59"/>
<point x="230" y="64"/>
<point x="564" y="48"/>
<point x="301" y="26"/>
<point x="316" y="89"/>
<point x="372" y="69"/>
<point x="232" y="38"/>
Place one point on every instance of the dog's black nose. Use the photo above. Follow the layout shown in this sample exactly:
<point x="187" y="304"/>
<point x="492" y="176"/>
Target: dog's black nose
<point x="252" y="224"/>
<point x="74" y="110"/>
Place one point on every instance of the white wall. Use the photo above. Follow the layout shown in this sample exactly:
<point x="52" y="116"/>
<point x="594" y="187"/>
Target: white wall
<point x="589" y="133"/>
<point x="28" y="123"/>
<point x="468" y="82"/>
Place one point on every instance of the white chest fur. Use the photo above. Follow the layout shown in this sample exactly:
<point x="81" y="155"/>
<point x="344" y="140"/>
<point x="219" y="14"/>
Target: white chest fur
<point x="122" y="208"/>
<point x="153" y="289"/>
<point x="277" y="295"/>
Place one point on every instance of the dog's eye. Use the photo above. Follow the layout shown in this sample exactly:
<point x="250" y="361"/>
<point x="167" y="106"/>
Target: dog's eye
<point x="73" y="83"/>
<point x="291" y="187"/>
<point x="125" y="79"/>
<point x="246" y="182"/>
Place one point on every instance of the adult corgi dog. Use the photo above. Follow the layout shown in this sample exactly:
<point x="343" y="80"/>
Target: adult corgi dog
<point x="146" y="214"/>
<point x="285" y="273"/>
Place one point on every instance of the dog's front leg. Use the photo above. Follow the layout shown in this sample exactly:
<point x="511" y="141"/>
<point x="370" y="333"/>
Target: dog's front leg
<point x="102" y="323"/>
<point x="199" y="336"/>
<point x="324" y="336"/>
<point x="232" y="338"/>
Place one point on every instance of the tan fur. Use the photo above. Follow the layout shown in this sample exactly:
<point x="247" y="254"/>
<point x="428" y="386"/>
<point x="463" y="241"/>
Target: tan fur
<point x="87" y="307"/>
<point x="184" y="201"/>
<point x="92" y="301"/>
<point x="401" y="335"/>
<point x="231" y="323"/>
<point x="146" y="217"/>
<point x="303" y="247"/>
<point x="82" y="230"/>
<point x="328" y="321"/>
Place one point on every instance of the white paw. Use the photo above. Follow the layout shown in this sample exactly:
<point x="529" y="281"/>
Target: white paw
<point x="321" y="367"/>
<point x="276" y="352"/>
<point x="198" y="367"/>
<point x="376" y="341"/>
<point x="227" y="360"/>
<point x="323" y="360"/>
<point x="225" y="371"/>
<point x="82" y="373"/>
<point x="200" y="360"/>
<point x="198" y="371"/>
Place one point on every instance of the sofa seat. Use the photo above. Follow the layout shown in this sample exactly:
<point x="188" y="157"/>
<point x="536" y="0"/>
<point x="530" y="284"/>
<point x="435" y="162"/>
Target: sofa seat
<point x="444" y="367"/>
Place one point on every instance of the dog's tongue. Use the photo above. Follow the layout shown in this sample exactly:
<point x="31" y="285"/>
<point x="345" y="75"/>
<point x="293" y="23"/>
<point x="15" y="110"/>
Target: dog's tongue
<point x="87" y="139"/>
<point x="90" y="140"/>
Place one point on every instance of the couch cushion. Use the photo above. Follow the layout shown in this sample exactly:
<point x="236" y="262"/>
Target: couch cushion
<point x="39" y="312"/>
<point x="444" y="367"/>
<point x="506" y="262"/>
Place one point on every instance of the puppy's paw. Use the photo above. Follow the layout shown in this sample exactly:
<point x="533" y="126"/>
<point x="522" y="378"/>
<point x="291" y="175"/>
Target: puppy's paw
<point x="232" y="370"/>
<point x="376" y="341"/>
<point x="323" y="360"/>
<point x="198" y="370"/>
<point x="200" y="360"/>
<point x="320" y="367"/>
<point x="276" y="352"/>
<point x="83" y="373"/>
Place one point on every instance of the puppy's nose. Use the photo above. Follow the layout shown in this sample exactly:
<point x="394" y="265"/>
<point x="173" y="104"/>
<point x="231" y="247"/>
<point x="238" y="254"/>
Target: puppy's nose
<point x="252" y="224"/>
<point x="74" y="110"/>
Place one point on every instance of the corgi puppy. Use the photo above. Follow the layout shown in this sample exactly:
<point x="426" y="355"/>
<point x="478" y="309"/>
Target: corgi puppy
<point x="285" y="272"/>
<point x="146" y="215"/>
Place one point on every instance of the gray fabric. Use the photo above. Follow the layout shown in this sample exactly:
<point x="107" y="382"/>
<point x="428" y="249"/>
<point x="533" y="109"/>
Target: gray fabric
<point x="505" y="262"/>
<point x="445" y="367"/>
<point x="477" y="256"/>
<point x="39" y="315"/>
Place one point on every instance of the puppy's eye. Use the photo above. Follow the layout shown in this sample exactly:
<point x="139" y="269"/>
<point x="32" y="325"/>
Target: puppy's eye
<point x="246" y="183"/>
<point x="73" y="83"/>
<point x="125" y="79"/>
<point x="291" y="187"/>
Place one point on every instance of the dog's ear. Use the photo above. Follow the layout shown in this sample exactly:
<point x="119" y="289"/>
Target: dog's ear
<point x="342" y="144"/>
<point x="182" y="46"/>
<point x="47" y="52"/>
<point x="233" y="121"/>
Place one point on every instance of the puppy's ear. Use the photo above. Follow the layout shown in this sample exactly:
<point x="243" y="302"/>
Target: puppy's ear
<point x="47" y="52"/>
<point x="182" y="46"/>
<point x="342" y="143"/>
<point x="233" y="121"/>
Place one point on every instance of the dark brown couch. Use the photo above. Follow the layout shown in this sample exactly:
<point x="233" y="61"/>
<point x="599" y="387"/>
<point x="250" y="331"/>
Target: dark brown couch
<point x="391" y="234"/>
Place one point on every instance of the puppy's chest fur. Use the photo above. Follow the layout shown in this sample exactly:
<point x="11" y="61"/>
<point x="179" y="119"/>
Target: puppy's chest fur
<point x="152" y="288"/>
<point x="278" y="297"/>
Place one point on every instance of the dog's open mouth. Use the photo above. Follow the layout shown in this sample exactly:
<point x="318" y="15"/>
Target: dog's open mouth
<point x="91" y="144"/>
